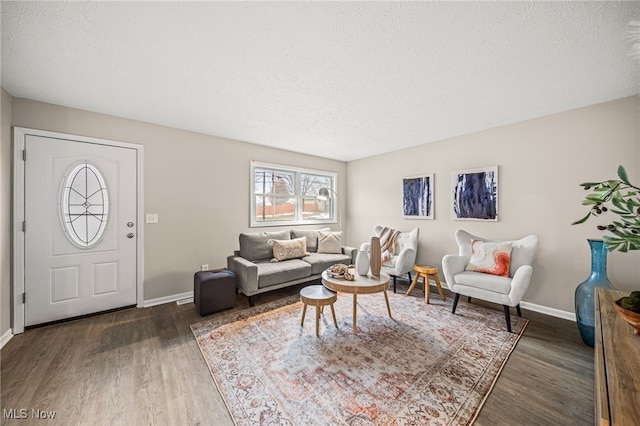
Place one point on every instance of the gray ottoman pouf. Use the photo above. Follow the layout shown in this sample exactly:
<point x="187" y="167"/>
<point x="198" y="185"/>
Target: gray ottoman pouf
<point x="214" y="290"/>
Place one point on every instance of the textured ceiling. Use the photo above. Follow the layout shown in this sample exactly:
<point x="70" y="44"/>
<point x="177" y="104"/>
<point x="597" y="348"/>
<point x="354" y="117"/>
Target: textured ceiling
<point x="340" y="80"/>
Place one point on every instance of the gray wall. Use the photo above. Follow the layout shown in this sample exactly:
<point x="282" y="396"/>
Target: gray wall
<point x="197" y="184"/>
<point x="541" y="162"/>
<point x="5" y="212"/>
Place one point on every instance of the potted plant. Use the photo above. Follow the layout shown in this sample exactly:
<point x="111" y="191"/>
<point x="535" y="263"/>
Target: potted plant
<point x="620" y="198"/>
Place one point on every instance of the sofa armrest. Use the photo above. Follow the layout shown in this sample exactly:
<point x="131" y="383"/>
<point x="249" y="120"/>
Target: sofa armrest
<point x="405" y="261"/>
<point x="453" y="264"/>
<point x="352" y="252"/>
<point x="246" y="274"/>
<point x="520" y="283"/>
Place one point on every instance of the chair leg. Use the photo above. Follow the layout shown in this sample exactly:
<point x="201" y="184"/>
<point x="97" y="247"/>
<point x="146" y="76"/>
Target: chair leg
<point x="304" y="312"/>
<point x="394" y="283"/>
<point x="250" y="301"/>
<point x="518" y="310"/>
<point x="409" y="273"/>
<point x="455" y="303"/>
<point x="507" y="316"/>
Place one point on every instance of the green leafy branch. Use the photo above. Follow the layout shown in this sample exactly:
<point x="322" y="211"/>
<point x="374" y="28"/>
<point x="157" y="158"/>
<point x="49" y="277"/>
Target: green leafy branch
<point x="620" y="197"/>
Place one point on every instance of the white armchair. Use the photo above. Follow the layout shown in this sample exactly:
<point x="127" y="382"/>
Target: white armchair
<point x="505" y="290"/>
<point x="406" y="250"/>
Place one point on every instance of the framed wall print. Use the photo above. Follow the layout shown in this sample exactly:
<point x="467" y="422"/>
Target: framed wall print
<point x="417" y="197"/>
<point x="475" y="194"/>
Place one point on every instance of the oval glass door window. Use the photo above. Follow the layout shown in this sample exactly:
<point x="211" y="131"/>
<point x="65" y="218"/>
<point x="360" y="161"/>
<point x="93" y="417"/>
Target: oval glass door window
<point x="84" y="204"/>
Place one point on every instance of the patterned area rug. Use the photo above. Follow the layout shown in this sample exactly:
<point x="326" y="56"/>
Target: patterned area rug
<point x="425" y="366"/>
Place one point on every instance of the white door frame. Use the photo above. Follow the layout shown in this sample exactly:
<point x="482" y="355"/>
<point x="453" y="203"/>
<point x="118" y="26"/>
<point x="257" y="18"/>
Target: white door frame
<point x="18" y="284"/>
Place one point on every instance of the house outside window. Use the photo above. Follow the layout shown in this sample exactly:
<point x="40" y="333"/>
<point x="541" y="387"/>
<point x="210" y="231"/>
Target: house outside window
<point x="283" y="195"/>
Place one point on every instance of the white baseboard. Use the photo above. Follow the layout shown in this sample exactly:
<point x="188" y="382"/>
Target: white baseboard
<point x="549" y="311"/>
<point x="538" y="308"/>
<point x="189" y="294"/>
<point x="5" y="338"/>
<point x="167" y="299"/>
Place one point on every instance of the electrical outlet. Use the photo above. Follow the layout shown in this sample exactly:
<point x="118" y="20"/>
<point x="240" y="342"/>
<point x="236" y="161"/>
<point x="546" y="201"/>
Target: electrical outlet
<point x="204" y="267"/>
<point x="152" y="218"/>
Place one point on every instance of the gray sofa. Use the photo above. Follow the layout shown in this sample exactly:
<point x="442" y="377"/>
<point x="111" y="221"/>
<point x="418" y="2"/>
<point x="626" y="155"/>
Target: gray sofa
<point x="256" y="272"/>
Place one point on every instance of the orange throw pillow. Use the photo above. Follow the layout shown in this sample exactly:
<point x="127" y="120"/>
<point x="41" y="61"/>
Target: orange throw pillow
<point x="490" y="257"/>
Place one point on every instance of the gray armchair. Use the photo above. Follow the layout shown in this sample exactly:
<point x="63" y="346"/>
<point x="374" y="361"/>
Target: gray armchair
<point x="505" y="290"/>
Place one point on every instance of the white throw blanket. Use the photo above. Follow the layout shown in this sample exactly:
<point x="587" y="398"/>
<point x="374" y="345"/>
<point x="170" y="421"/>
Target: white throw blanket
<point x="388" y="238"/>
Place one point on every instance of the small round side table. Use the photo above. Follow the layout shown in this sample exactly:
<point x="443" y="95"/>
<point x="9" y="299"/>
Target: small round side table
<point x="318" y="296"/>
<point x="425" y="271"/>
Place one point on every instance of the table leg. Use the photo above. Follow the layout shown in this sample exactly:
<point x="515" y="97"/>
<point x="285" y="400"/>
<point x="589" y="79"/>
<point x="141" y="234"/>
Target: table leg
<point x="304" y="311"/>
<point x="386" y="299"/>
<point x="442" y="296"/>
<point x="333" y="312"/>
<point x="413" y="283"/>
<point x="355" y="304"/>
<point x="317" y="320"/>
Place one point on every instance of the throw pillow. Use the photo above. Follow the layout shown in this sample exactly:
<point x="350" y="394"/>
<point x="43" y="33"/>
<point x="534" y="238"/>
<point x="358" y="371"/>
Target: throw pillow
<point x="312" y="237"/>
<point x="255" y="246"/>
<point x="289" y="249"/>
<point x="329" y="242"/>
<point x="490" y="257"/>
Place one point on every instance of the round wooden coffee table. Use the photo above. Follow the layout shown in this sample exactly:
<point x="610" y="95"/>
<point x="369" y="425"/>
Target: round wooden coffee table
<point x="318" y="296"/>
<point x="360" y="285"/>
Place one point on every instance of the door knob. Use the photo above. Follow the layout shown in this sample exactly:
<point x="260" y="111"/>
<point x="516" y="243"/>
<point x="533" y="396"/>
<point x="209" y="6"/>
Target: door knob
<point x="130" y="235"/>
<point x="130" y="224"/>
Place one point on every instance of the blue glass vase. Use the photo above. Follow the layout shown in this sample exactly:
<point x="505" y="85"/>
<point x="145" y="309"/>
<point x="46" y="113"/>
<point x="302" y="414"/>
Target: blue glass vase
<point x="585" y="292"/>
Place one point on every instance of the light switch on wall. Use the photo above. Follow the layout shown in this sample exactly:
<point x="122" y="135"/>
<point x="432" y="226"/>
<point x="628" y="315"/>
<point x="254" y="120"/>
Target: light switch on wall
<point x="152" y="218"/>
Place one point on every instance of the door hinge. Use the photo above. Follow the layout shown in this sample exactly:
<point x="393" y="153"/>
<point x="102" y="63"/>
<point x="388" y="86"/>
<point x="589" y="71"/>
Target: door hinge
<point x="24" y="155"/>
<point x="24" y="297"/>
<point x="24" y="226"/>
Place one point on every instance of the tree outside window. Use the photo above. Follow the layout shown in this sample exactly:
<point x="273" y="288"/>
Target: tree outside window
<point x="286" y="195"/>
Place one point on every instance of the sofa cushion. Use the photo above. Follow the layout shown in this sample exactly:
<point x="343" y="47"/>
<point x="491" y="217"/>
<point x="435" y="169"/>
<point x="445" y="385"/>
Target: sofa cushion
<point x="270" y="273"/>
<point x="484" y="281"/>
<point x="329" y="242"/>
<point x="254" y="246"/>
<point x="312" y="237"/>
<point x="321" y="261"/>
<point x="289" y="249"/>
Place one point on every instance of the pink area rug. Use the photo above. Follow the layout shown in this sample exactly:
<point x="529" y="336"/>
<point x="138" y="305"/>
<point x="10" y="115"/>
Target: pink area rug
<point x="425" y="366"/>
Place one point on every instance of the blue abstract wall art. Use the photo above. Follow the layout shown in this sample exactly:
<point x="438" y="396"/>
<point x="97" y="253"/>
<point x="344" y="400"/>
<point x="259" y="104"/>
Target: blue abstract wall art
<point x="475" y="194"/>
<point x="417" y="197"/>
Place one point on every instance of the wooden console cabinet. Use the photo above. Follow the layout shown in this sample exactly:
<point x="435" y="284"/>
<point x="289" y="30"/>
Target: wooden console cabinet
<point x="617" y="364"/>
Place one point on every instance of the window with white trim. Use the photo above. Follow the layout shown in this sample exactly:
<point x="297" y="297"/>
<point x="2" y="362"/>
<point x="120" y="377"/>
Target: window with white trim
<point x="283" y="195"/>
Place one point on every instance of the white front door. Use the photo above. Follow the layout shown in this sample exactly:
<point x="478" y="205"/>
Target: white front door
<point x="81" y="230"/>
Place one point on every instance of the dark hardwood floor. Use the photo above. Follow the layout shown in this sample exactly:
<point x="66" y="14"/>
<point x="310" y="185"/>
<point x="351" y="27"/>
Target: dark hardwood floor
<point x="143" y="367"/>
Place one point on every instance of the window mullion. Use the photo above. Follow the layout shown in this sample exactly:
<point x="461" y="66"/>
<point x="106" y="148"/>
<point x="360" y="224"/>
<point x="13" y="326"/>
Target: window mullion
<point x="296" y="193"/>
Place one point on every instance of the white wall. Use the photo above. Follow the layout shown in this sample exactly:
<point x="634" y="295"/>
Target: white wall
<point x="197" y="184"/>
<point x="541" y="162"/>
